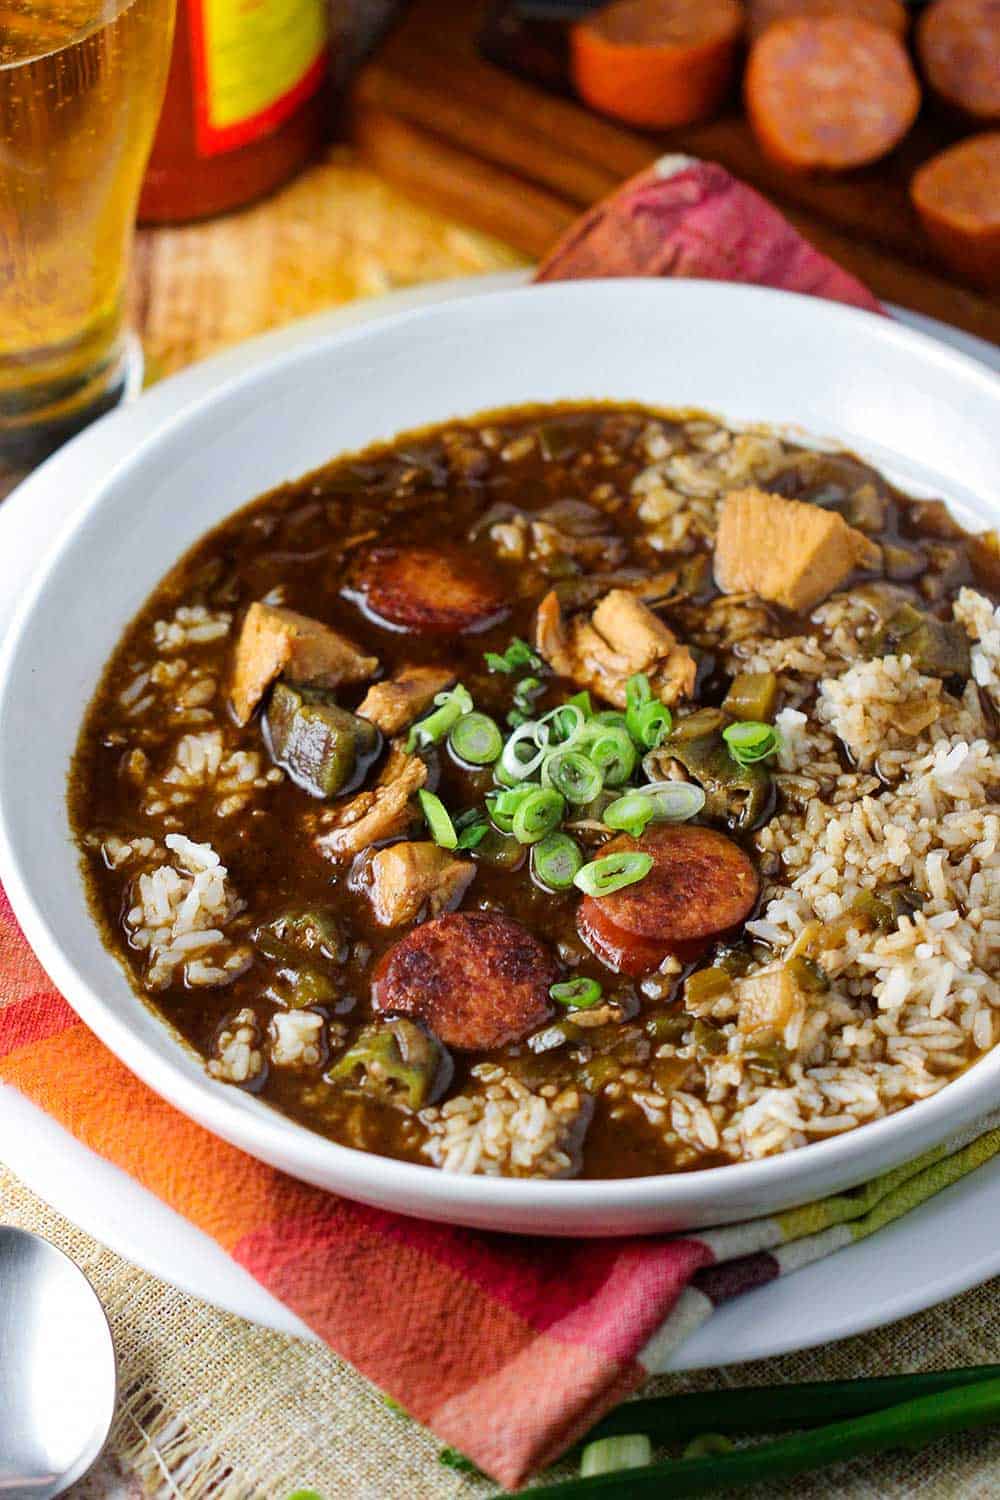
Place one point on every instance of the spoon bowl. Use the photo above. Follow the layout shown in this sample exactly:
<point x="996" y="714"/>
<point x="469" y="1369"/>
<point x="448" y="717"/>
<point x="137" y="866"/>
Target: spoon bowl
<point x="58" y="1377"/>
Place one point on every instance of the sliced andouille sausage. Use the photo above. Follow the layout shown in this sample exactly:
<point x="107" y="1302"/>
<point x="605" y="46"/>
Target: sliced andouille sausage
<point x="826" y="93"/>
<point x="958" y="42"/>
<point x="628" y="952"/>
<point x="888" y="13"/>
<point x="701" y="883"/>
<point x="477" y="979"/>
<point x="657" y="63"/>
<point x="427" y="589"/>
<point x="957" y="195"/>
<point x="277" y="641"/>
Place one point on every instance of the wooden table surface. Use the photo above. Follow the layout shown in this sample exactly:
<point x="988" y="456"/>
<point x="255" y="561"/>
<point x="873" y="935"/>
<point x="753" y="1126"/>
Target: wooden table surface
<point x="508" y="157"/>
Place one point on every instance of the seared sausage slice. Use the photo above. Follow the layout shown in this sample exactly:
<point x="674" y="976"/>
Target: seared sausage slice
<point x="477" y="980"/>
<point x="700" y="883"/>
<point x="829" y="92"/>
<point x="428" y="589"/>
<point x="625" y="952"/>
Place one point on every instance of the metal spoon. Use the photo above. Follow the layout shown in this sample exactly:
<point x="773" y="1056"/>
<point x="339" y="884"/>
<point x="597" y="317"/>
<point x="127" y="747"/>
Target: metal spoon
<point x="58" y="1377"/>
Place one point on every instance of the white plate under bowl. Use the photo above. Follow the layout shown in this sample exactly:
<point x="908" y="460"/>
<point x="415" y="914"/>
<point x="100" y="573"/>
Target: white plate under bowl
<point x="944" y="1247"/>
<point x="928" y="416"/>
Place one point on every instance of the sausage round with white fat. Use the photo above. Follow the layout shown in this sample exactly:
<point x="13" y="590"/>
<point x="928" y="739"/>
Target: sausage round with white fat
<point x="827" y="93"/>
<point x="429" y="590"/>
<point x="478" y="980"/>
<point x="958" y="42"/>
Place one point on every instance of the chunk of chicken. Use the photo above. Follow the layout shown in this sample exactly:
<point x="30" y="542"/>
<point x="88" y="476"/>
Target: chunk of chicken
<point x="394" y="704"/>
<point x="622" y="637"/>
<point x="772" y="1007"/>
<point x="276" y="642"/>
<point x="412" y="877"/>
<point x="379" y="813"/>
<point x="786" y="551"/>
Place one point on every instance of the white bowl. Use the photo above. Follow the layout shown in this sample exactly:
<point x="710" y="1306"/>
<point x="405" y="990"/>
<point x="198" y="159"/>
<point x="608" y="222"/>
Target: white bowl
<point x="928" y="417"/>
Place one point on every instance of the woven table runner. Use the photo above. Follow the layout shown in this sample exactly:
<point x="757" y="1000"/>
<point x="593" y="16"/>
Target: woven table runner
<point x="210" y="1405"/>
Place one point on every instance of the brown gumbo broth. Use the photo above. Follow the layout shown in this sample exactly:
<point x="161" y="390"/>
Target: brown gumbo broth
<point x="581" y="500"/>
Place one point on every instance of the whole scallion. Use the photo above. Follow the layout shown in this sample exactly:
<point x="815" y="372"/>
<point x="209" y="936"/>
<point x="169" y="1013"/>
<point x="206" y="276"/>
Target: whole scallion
<point x="611" y="1455"/>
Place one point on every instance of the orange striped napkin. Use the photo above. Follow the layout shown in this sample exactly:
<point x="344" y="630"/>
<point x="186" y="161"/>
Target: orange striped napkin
<point x="508" y="1348"/>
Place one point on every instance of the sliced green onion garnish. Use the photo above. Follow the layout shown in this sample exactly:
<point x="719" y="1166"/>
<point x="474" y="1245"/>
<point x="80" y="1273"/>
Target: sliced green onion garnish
<point x="525" y="693"/>
<point x="581" y="993"/>
<point x="750" y="741"/>
<point x="516" y="718"/>
<point x="572" y="774"/>
<point x="502" y="806"/>
<point x="610" y="748"/>
<point x="472" y="827"/>
<point x="630" y="813"/>
<point x="518" y="654"/>
<point x="540" y="812"/>
<point x="431" y="730"/>
<point x="564" y="724"/>
<point x="582" y="702"/>
<point x="612" y="872"/>
<point x="611" y="716"/>
<point x="524" y="751"/>
<point x="608" y="1455"/>
<point x="650" y="724"/>
<point x="440" y="824"/>
<point x="637" y="692"/>
<point x="555" y="859"/>
<point x="476" y="739"/>
<point x="675" y="801"/>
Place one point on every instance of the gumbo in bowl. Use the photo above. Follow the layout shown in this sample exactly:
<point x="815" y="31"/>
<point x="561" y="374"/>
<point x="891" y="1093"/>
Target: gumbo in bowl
<point x="573" y="790"/>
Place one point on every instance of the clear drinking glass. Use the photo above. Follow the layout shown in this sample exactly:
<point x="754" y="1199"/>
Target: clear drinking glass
<point x="81" y="84"/>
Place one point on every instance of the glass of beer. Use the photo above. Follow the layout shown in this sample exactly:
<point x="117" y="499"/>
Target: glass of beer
<point x="81" y="84"/>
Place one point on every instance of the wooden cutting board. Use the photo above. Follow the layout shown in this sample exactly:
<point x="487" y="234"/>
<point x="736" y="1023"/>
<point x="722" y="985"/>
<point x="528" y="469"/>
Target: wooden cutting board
<point x="509" y="157"/>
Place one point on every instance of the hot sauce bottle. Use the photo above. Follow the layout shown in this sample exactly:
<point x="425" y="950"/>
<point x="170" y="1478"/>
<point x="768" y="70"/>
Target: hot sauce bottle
<point x="245" y="105"/>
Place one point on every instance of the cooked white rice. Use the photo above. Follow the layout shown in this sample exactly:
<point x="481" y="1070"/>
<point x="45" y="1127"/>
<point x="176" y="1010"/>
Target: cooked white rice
<point x="178" y="918"/>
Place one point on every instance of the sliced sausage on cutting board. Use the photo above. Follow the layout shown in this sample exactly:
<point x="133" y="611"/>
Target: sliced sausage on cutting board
<point x="829" y="93"/>
<point x="657" y="63"/>
<point x="888" y="13"/>
<point x="958" y="42"/>
<point x="957" y="195"/>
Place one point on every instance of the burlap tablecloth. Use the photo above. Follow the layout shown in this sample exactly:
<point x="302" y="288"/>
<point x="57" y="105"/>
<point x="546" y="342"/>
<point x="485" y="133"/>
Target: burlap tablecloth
<point x="211" y="1407"/>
